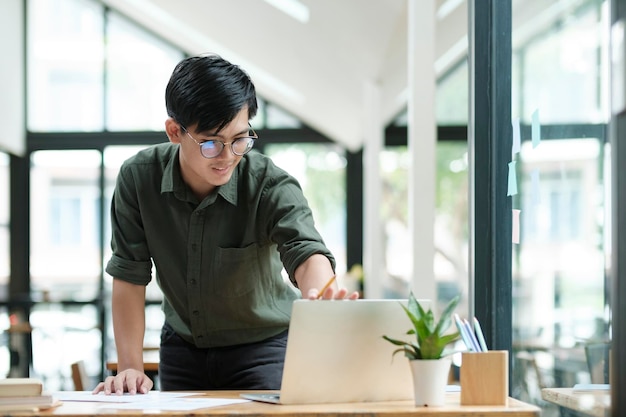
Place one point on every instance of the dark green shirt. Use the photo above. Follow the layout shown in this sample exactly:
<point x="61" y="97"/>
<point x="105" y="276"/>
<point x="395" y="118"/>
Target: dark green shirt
<point x="218" y="261"/>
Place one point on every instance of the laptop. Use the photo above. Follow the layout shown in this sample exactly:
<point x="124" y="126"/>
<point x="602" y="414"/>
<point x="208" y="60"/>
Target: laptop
<point x="336" y="353"/>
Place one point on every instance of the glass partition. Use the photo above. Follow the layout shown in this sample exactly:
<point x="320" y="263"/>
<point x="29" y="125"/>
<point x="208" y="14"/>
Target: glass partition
<point x="560" y="87"/>
<point x="559" y="266"/>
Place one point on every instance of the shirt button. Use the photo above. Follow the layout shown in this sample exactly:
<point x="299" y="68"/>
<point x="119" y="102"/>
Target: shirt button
<point x="194" y="247"/>
<point x="196" y="313"/>
<point x="193" y="282"/>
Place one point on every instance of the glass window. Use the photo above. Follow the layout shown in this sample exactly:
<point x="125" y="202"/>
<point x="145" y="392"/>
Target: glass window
<point x="67" y="334"/>
<point x="4" y="225"/>
<point x="558" y="279"/>
<point x="278" y="118"/>
<point x="451" y="232"/>
<point x="5" y="354"/>
<point x="570" y="52"/>
<point x="65" y="54"/>
<point x="64" y="223"/>
<point x="4" y="261"/>
<point x="452" y="97"/>
<point x="559" y="294"/>
<point x="138" y="69"/>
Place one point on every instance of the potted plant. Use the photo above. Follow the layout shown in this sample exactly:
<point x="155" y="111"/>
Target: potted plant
<point x="429" y="360"/>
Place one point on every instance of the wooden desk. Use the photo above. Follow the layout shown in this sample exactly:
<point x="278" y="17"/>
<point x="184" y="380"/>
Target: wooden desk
<point x="593" y="403"/>
<point x="514" y="408"/>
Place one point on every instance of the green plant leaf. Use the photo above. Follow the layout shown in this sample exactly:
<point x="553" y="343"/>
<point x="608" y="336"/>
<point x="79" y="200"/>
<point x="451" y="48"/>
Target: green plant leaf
<point x="430" y="339"/>
<point x="395" y="341"/>
<point x="447" y="339"/>
<point x="446" y="316"/>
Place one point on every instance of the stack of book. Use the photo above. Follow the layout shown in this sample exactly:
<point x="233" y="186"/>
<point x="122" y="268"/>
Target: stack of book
<point x="24" y="394"/>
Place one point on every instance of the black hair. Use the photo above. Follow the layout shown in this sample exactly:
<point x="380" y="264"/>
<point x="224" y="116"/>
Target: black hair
<point x="209" y="91"/>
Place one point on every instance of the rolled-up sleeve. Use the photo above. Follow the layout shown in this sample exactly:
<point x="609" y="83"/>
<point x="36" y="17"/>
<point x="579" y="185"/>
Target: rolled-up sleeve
<point x="131" y="258"/>
<point x="290" y="223"/>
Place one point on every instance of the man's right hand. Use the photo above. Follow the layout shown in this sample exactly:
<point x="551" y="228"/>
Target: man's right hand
<point x="132" y="381"/>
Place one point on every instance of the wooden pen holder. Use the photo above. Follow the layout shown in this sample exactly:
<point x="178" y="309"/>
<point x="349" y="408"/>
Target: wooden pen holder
<point x="485" y="378"/>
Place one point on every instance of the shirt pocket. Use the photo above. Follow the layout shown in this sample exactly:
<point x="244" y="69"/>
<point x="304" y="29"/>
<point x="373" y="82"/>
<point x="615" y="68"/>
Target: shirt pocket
<point x="237" y="272"/>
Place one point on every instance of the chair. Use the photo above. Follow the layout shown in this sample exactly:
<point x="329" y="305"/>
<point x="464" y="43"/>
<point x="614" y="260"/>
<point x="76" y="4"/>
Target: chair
<point x="597" y="355"/>
<point x="79" y="376"/>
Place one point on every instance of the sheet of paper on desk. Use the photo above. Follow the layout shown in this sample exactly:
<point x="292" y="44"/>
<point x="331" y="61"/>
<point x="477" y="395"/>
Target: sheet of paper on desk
<point x="175" y="404"/>
<point x="154" y="400"/>
<point x="126" y="398"/>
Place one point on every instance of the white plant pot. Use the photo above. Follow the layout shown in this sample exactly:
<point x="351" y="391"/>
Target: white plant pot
<point x="430" y="378"/>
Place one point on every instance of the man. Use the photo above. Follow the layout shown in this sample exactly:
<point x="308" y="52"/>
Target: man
<point x="219" y="223"/>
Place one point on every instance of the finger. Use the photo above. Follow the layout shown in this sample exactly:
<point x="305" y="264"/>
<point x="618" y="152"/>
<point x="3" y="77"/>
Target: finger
<point x="328" y="293"/>
<point x="108" y="385"/>
<point x="142" y="385"/>
<point x="118" y="384"/>
<point x="146" y="386"/>
<point x="313" y="294"/>
<point x="98" y="388"/>
<point x="341" y="294"/>
<point x="354" y="296"/>
<point x="132" y="382"/>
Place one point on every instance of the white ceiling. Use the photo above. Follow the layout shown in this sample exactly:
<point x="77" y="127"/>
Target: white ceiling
<point x="316" y="70"/>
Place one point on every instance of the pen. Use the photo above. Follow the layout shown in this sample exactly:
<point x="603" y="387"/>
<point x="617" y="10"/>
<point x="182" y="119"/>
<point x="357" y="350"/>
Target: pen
<point x="463" y="332"/>
<point x="479" y="335"/>
<point x="471" y="336"/>
<point x="328" y="284"/>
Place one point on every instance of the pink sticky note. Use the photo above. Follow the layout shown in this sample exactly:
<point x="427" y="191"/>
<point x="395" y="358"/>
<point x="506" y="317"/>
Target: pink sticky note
<point x="515" y="233"/>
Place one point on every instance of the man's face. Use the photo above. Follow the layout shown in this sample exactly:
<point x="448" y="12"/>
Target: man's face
<point x="204" y="174"/>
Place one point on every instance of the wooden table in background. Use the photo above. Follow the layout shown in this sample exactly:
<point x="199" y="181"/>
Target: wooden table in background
<point x="594" y="403"/>
<point x="150" y="362"/>
<point x="514" y="408"/>
<point x="149" y="367"/>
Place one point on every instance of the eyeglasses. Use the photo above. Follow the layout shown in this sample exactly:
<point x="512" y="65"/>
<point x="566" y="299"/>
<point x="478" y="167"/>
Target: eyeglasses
<point x="213" y="147"/>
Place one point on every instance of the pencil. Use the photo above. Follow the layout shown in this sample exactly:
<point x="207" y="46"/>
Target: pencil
<point x="328" y="284"/>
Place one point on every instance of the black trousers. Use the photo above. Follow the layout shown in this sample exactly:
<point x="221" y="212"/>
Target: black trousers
<point x="254" y="366"/>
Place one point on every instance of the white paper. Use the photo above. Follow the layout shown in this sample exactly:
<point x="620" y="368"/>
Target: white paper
<point x="153" y="400"/>
<point x="175" y="404"/>
<point x="87" y="396"/>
